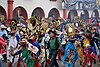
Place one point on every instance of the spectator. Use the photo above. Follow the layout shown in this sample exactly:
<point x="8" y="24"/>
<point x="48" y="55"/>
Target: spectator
<point x="2" y="30"/>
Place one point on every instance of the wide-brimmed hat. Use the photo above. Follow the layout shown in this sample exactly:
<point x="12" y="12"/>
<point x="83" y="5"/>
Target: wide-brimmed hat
<point x="3" y="26"/>
<point x="53" y="31"/>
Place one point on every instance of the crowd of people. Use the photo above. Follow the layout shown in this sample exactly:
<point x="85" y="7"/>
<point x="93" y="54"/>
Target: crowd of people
<point x="42" y="42"/>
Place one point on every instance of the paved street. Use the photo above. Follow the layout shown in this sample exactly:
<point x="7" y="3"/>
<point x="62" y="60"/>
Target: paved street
<point x="77" y="64"/>
<point x="59" y="62"/>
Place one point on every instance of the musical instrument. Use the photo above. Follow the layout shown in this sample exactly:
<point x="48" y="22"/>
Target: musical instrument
<point x="56" y="25"/>
<point x="32" y="24"/>
<point x="76" y="19"/>
<point x="70" y="29"/>
<point x="24" y="33"/>
<point x="80" y="23"/>
<point x="44" y="25"/>
<point x="88" y="27"/>
<point x="13" y="25"/>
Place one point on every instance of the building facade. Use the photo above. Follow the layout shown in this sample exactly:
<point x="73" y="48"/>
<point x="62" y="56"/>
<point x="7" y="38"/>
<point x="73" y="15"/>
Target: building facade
<point x="42" y="8"/>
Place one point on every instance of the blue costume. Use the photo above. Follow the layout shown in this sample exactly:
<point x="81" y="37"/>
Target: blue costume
<point x="69" y="46"/>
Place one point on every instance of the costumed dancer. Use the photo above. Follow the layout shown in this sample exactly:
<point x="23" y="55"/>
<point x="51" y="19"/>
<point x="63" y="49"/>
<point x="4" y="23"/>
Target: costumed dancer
<point x="99" y="50"/>
<point x="88" y="56"/>
<point x="94" y="42"/>
<point x="2" y="49"/>
<point x="70" y="53"/>
<point x="42" y="42"/>
<point x="79" y="50"/>
<point x="11" y="48"/>
<point x="28" y="53"/>
<point x="89" y="51"/>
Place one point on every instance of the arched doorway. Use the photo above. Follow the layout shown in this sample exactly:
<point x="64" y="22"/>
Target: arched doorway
<point x="3" y="13"/>
<point x="84" y="15"/>
<point x="95" y="14"/>
<point x="38" y="12"/>
<point x="19" y="11"/>
<point x="72" y="14"/>
<point x="54" y="13"/>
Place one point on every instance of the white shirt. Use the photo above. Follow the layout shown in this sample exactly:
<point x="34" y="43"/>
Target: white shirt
<point x="12" y="42"/>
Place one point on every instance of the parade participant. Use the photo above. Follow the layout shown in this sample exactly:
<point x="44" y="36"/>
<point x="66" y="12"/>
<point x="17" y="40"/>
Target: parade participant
<point x="62" y="48"/>
<point x="79" y="50"/>
<point x="53" y="45"/>
<point x="94" y="42"/>
<point x="88" y="56"/>
<point x="42" y="47"/>
<point x="28" y="54"/>
<point x="11" y="47"/>
<point x="62" y="24"/>
<point x="0" y="60"/>
<point x="99" y="49"/>
<point x="2" y="30"/>
<point x="70" y="54"/>
<point x="35" y="43"/>
<point x="2" y="50"/>
<point x="86" y="40"/>
<point x="17" y="35"/>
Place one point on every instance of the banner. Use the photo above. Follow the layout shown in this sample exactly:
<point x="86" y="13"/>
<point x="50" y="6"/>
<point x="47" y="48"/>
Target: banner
<point x="81" y="4"/>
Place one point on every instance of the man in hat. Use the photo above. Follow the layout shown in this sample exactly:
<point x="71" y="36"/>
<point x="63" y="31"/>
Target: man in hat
<point x="53" y="45"/>
<point x="2" y="30"/>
